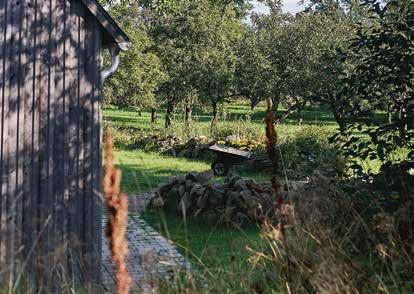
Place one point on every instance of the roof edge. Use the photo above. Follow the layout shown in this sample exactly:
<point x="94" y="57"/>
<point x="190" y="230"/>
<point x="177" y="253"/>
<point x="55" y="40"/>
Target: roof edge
<point x="108" y="23"/>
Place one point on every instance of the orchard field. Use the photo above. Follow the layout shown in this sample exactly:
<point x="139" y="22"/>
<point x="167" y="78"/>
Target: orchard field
<point x="339" y="75"/>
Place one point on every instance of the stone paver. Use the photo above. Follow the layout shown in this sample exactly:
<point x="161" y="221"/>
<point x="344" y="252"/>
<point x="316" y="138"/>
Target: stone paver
<point x="151" y="256"/>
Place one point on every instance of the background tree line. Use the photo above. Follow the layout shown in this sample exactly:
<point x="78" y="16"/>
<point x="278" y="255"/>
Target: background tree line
<point x="354" y="57"/>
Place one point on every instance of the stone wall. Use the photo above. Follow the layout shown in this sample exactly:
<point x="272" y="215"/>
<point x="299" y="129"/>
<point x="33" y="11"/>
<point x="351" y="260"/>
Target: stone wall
<point x="237" y="201"/>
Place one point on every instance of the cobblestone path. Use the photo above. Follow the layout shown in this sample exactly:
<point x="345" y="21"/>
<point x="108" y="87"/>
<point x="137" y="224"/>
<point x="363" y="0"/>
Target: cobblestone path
<point x="151" y="256"/>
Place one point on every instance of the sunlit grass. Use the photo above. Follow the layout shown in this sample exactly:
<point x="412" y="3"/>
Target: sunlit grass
<point x="204" y="243"/>
<point x="145" y="171"/>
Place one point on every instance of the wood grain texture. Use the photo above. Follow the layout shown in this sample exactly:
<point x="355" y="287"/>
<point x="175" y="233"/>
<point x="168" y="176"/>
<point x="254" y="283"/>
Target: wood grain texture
<point x="4" y="129"/>
<point x="50" y="146"/>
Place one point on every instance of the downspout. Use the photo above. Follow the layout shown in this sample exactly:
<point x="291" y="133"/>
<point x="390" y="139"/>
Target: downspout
<point x="114" y="50"/>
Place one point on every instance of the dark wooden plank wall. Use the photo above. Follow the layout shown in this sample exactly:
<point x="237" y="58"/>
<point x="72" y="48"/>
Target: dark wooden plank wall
<point x="50" y="153"/>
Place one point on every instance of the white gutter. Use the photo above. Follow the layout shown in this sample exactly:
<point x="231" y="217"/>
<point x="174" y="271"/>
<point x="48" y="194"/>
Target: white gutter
<point x="114" y="50"/>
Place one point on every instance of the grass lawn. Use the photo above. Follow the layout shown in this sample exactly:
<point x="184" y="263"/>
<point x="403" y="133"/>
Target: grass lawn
<point x="220" y="256"/>
<point x="208" y="246"/>
<point x="145" y="171"/>
<point x="233" y="115"/>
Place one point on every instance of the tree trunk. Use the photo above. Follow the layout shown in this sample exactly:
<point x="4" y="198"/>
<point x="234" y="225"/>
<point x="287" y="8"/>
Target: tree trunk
<point x="214" y="119"/>
<point x="338" y="115"/>
<point x="281" y="118"/>
<point x="253" y="103"/>
<point x="389" y="113"/>
<point x="139" y="112"/>
<point x="154" y="115"/>
<point x="299" y="115"/>
<point x="188" y="115"/>
<point x="168" y="115"/>
<point x="402" y="124"/>
<point x="340" y="120"/>
<point x="276" y="102"/>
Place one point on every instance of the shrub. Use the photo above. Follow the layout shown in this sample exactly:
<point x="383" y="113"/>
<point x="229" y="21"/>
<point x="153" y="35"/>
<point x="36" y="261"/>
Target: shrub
<point x="327" y="241"/>
<point x="308" y="150"/>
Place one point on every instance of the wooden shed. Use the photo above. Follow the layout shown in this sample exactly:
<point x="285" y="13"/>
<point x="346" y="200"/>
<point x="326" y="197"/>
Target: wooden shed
<point x="51" y="85"/>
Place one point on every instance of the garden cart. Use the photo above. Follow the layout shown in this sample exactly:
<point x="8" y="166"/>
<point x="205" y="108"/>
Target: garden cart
<point x="226" y="157"/>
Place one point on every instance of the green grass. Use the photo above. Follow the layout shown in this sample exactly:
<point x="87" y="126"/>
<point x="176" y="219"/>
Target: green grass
<point x="219" y="253"/>
<point x="145" y="171"/>
<point x="232" y="115"/>
<point x="207" y="245"/>
<point x="210" y="247"/>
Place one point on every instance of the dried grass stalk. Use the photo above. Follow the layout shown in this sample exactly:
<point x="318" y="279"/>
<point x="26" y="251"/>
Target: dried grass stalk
<point x="283" y="209"/>
<point x="271" y="143"/>
<point x="117" y="206"/>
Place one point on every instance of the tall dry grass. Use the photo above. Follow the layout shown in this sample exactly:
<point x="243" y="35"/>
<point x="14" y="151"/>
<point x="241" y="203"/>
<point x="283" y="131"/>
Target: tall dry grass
<point x="117" y="207"/>
<point x="324" y="239"/>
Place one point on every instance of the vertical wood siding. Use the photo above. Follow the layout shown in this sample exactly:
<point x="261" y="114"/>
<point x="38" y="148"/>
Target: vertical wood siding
<point x="49" y="140"/>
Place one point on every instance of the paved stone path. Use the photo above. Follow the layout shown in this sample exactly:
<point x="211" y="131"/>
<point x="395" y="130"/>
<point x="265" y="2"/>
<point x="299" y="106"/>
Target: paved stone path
<point x="151" y="256"/>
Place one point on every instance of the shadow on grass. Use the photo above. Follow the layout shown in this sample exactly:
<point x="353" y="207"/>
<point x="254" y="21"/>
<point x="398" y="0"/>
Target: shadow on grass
<point x="234" y="112"/>
<point x="205" y="244"/>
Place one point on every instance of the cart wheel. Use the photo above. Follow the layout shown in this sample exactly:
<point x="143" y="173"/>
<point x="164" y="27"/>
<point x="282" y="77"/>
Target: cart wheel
<point x="219" y="168"/>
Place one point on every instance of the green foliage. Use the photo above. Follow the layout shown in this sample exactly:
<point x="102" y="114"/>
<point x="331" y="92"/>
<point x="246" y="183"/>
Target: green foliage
<point x="309" y="151"/>
<point x="293" y="58"/>
<point x="139" y="76"/>
<point x="195" y="45"/>
<point x="382" y="76"/>
<point x="255" y="74"/>
<point x="217" y="34"/>
<point x="161" y="6"/>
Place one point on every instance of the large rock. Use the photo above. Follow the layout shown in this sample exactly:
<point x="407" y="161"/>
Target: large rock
<point x="181" y="190"/>
<point x="233" y="197"/>
<point x="245" y="194"/>
<point x="184" y="204"/>
<point x="165" y="189"/>
<point x="177" y="179"/>
<point x="249" y="200"/>
<point x="157" y="202"/>
<point x="172" y="198"/>
<point x="191" y="176"/>
<point x="230" y="181"/>
<point x="197" y="190"/>
<point x="216" y="198"/>
<point x="189" y="184"/>
<point x="204" y="177"/>
<point x="241" y="185"/>
<point x="202" y="201"/>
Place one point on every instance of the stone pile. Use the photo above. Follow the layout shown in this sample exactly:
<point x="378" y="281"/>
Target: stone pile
<point x="158" y="142"/>
<point x="237" y="202"/>
<point x="195" y="147"/>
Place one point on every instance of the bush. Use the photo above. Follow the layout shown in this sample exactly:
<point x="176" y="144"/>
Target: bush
<point x="308" y="150"/>
<point x="327" y="241"/>
<point x="304" y="152"/>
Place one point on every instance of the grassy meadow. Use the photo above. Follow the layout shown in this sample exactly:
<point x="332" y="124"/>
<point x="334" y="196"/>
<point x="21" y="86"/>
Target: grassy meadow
<point x="206" y="245"/>
<point x="230" y="115"/>
<point x="224" y="255"/>
<point x="144" y="171"/>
